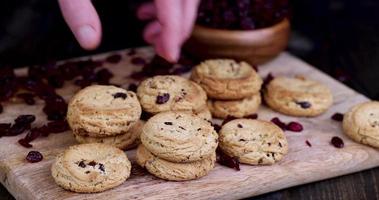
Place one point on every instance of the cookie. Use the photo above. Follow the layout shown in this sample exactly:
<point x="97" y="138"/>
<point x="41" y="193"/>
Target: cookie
<point x="253" y="142"/>
<point x="174" y="171"/>
<point x="235" y="108"/>
<point x="164" y="93"/>
<point x="298" y="96"/>
<point x="89" y="168"/>
<point x="100" y="111"/>
<point x="125" y="141"/>
<point x="179" y="137"/>
<point x="226" y="79"/>
<point x="361" y="123"/>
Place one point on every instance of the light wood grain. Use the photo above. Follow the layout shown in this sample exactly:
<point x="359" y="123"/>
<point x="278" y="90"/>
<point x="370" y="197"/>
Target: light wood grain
<point x="303" y="164"/>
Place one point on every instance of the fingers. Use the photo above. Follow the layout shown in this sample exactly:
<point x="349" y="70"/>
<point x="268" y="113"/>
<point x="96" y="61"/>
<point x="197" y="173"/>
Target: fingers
<point x="147" y="11"/>
<point x="152" y="32"/>
<point x="169" y="13"/>
<point x="81" y="17"/>
<point x="190" y="13"/>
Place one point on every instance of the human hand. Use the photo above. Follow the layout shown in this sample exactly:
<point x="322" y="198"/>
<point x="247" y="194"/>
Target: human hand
<point x="171" y="26"/>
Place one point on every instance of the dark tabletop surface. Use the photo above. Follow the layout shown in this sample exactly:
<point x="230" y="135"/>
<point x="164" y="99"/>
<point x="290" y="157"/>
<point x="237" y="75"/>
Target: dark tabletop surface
<point x="339" y="37"/>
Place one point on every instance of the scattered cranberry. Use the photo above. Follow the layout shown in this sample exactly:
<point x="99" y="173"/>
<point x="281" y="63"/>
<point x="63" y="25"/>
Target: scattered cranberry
<point x="279" y="123"/>
<point x="308" y="143"/>
<point x="27" y="97"/>
<point x="25" y="143"/>
<point x="294" y="126"/>
<point x="228" y="119"/>
<point x="57" y="126"/>
<point x="228" y="161"/>
<point x="34" y="156"/>
<point x="131" y="52"/>
<point x="132" y="87"/>
<point x="138" y="61"/>
<point x="25" y="119"/>
<point x="113" y="58"/>
<point x="161" y="99"/>
<point x="253" y="116"/>
<point x="337" y="117"/>
<point x="304" y="104"/>
<point x="337" y="142"/>
<point x="267" y="80"/>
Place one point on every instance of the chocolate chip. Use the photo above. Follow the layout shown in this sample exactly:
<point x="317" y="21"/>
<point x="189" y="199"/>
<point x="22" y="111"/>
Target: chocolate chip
<point x="120" y="95"/>
<point x="242" y="140"/>
<point x="87" y="172"/>
<point x="240" y="126"/>
<point x="101" y="167"/>
<point x="182" y="128"/>
<point x="92" y="163"/>
<point x="82" y="164"/>
<point x="304" y="104"/>
<point x="161" y="99"/>
<point x="199" y="129"/>
<point x="168" y="123"/>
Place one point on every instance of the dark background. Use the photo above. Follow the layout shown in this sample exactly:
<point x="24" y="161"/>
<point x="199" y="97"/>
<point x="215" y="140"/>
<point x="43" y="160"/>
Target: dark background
<point x="341" y="37"/>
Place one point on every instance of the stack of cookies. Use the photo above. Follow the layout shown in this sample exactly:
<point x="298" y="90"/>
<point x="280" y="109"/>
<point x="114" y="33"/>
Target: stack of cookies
<point x="105" y="114"/>
<point x="177" y="146"/>
<point x="234" y="88"/>
<point x="172" y="93"/>
<point x="88" y="168"/>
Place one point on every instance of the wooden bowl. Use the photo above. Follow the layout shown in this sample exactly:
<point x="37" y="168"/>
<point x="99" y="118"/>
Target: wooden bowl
<point x="255" y="47"/>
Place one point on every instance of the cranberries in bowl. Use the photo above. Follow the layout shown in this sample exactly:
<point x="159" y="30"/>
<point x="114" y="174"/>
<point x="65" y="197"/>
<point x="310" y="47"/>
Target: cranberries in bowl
<point x="252" y="30"/>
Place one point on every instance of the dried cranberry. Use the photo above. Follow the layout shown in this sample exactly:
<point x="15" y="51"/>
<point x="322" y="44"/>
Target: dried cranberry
<point x="138" y="61"/>
<point x="253" y="116"/>
<point x="4" y="127"/>
<point x="228" y="161"/>
<point x="27" y="97"/>
<point x="120" y="95"/>
<point x="337" y="142"/>
<point x="267" y="80"/>
<point x="228" y="119"/>
<point x="25" y="119"/>
<point x="103" y="76"/>
<point x="25" y="143"/>
<point x="337" y="117"/>
<point x="294" y="126"/>
<point x="279" y="123"/>
<point x="131" y="52"/>
<point x="146" y="116"/>
<point x="17" y="129"/>
<point x="113" y="58"/>
<point x="132" y="87"/>
<point x="308" y="143"/>
<point x="34" y="156"/>
<point x="304" y="104"/>
<point x="57" y="126"/>
<point x="161" y="99"/>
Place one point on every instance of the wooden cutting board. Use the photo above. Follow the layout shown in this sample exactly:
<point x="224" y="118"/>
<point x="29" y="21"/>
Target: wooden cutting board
<point x="303" y="164"/>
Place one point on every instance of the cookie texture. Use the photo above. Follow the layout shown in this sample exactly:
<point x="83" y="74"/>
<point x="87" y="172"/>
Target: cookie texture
<point x="89" y="168"/>
<point x="174" y="171"/>
<point x="298" y="96"/>
<point x="253" y="142"/>
<point x="227" y="79"/>
<point x="235" y="108"/>
<point x="125" y="141"/>
<point x="361" y="123"/>
<point x="179" y="137"/>
<point x="100" y="111"/>
<point x="164" y="93"/>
